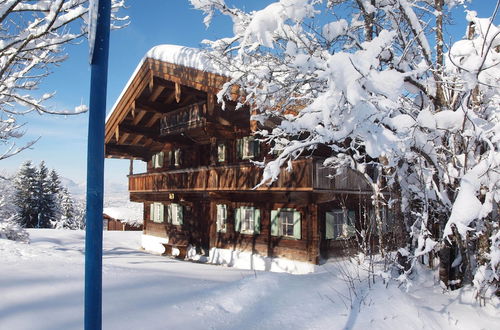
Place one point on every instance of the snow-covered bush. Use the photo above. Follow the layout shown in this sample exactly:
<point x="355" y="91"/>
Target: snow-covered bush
<point x="364" y="79"/>
<point x="10" y="229"/>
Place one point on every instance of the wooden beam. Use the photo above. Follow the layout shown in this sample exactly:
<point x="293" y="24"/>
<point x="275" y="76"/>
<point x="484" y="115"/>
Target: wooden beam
<point x="127" y="150"/>
<point x="144" y="131"/>
<point x="123" y="138"/>
<point x="156" y="93"/>
<point x="149" y="106"/>
<point x="139" y="117"/>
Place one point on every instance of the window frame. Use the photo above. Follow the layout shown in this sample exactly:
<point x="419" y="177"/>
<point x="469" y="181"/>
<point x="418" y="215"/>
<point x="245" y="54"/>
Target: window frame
<point x="277" y="224"/>
<point x="221" y="152"/>
<point x="157" y="161"/>
<point x="157" y="212"/>
<point x="221" y="218"/>
<point x="248" y="147"/>
<point x="175" y="214"/>
<point x="340" y="230"/>
<point x="239" y="219"/>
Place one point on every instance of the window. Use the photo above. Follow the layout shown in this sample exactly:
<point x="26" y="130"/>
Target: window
<point x="177" y="157"/>
<point x="157" y="159"/>
<point x="247" y="220"/>
<point x="221" y="152"/>
<point x="248" y="147"/>
<point x="221" y="217"/>
<point x="175" y="215"/>
<point x="156" y="212"/>
<point x="286" y="222"/>
<point x="339" y="224"/>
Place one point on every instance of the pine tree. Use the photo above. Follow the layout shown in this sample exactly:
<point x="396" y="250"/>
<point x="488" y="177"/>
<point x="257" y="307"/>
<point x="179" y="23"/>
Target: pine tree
<point x="67" y="217"/>
<point x="56" y="189"/>
<point x="25" y="196"/>
<point x="46" y="198"/>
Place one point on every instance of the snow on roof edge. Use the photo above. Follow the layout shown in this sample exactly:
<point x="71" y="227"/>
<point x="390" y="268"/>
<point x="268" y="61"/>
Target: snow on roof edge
<point x="175" y="54"/>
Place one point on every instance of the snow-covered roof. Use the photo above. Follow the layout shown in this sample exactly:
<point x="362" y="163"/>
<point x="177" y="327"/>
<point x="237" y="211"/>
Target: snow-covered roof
<point x="131" y="213"/>
<point x="180" y="55"/>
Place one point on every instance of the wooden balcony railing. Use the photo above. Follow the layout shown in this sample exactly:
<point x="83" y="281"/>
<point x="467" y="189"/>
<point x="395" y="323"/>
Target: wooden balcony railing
<point x="186" y="117"/>
<point x="307" y="174"/>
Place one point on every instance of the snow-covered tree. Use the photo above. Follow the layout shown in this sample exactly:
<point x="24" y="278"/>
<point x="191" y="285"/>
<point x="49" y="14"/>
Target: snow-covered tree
<point x="32" y="40"/>
<point x="376" y="82"/>
<point x="26" y="195"/>
<point x="46" y="198"/>
<point x="9" y="228"/>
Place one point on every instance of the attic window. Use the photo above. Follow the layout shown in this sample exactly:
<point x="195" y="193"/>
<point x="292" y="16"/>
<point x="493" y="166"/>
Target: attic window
<point x="221" y="152"/>
<point x="157" y="159"/>
<point x="248" y="147"/>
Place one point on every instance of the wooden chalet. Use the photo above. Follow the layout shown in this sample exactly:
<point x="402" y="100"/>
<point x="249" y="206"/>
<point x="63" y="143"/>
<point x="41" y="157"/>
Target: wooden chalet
<point x="199" y="184"/>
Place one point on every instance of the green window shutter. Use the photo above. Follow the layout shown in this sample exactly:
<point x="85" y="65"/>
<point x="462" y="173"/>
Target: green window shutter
<point x="239" y="148"/>
<point x="256" y="147"/>
<point x="152" y="212"/>
<point x="256" y="221"/>
<point x="275" y="222"/>
<point x="297" y="228"/>
<point x="179" y="214"/>
<point x="169" y="213"/>
<point x="160" y="159"/>
<point x="237" y="220"/>
<point x="329" y="225"/>
<point x="161" y="213"/>
<point x="351" y="218"/>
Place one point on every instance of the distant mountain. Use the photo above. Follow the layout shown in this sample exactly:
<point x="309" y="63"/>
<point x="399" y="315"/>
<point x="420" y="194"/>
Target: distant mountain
<point x="115" y="194"/>
<point x="77" y="190"/>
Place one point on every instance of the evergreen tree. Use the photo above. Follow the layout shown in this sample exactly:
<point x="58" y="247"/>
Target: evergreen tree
<point x="25" y="196"/>
<point x="67" y="217"/>
<point x="46" y="198"/>
<point x="56" y="190"/>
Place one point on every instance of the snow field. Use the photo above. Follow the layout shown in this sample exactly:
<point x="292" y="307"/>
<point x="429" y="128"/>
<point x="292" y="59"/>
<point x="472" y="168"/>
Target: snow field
<point x="42" y="288"/>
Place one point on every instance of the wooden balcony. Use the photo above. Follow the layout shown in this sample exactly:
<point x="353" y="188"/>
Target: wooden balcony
<point x="307" y="175"/>
<point x="191" y="116"/>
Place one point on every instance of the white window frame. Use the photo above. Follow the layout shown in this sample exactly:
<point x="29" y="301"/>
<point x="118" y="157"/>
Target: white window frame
<point x="289" y="223"/>
<point x="156" y="213"/>
<point x="247" y="220"/>
<point x="175" y="214"/>
<point x="247" y="225"/>
<point x="277" y="223"/>
<point x="221" y="218"/>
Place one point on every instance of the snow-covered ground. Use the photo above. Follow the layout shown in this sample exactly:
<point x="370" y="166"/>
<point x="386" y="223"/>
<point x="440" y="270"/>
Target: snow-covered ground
<point x="41" y="287"/>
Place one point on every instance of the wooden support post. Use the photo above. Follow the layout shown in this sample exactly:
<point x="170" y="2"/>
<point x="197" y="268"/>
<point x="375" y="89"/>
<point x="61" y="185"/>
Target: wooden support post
<point x="131" y="167"/>
<point x="177" y="92"/>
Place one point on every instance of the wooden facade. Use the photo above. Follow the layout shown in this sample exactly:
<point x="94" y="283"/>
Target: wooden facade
<point x="200" y="179"/>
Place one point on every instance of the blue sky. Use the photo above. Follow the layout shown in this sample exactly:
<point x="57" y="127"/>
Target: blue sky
<point x="63" y="139"/>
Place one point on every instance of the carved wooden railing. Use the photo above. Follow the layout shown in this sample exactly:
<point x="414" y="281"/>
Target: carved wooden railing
<point x="186" y="117"/>
<point x="307" y="174"/>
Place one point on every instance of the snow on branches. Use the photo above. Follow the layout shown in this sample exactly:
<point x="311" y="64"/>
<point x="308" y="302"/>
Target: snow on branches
<point x="376" y="82"/>
<point x="32" y="39"/>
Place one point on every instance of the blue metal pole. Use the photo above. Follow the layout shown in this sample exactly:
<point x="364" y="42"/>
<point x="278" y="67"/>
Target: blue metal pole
<point x="95" y="170"/>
